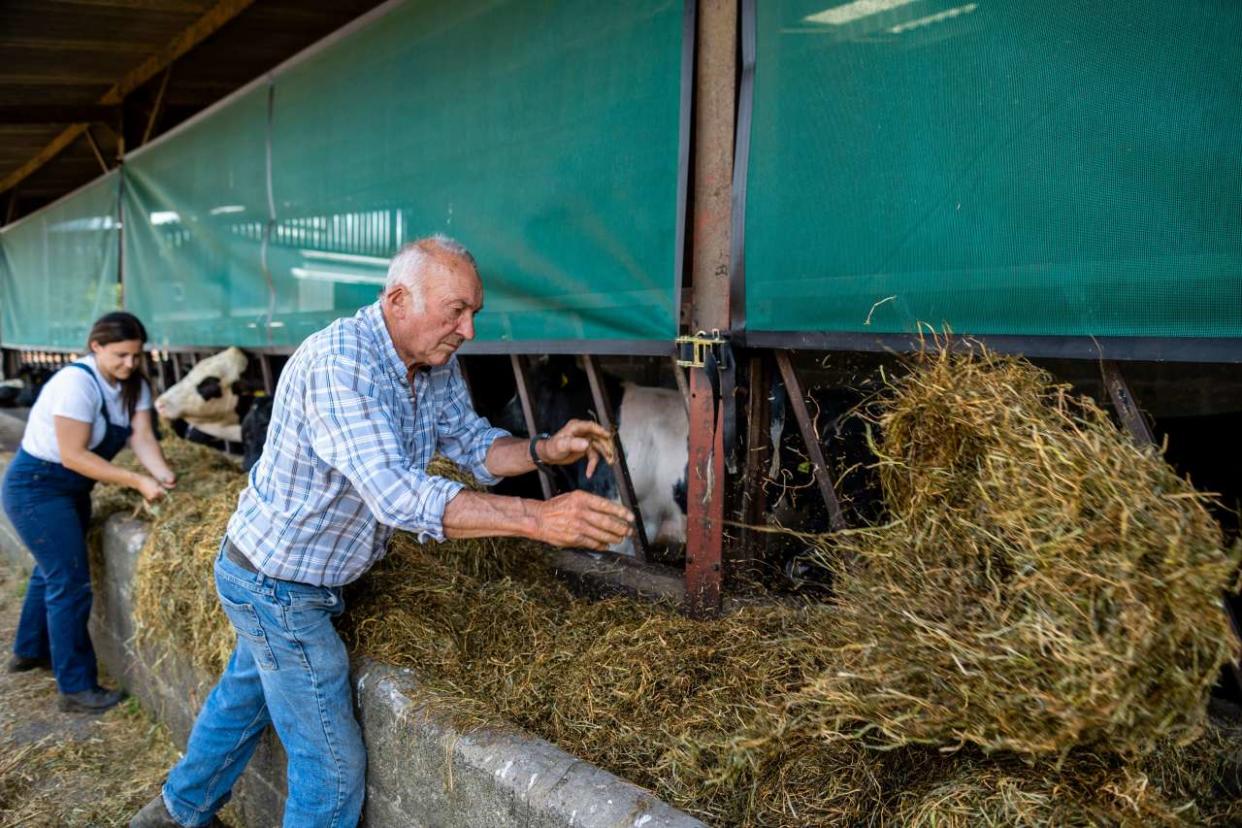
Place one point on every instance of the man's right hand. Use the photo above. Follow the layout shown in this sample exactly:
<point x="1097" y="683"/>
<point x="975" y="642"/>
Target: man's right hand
<point x="583" y="520"/>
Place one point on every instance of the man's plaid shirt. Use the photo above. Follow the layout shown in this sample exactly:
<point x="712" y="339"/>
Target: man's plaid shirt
<point x="346" y="456"/>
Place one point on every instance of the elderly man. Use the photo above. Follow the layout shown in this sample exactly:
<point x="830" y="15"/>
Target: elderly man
<point x="360" y="409"/>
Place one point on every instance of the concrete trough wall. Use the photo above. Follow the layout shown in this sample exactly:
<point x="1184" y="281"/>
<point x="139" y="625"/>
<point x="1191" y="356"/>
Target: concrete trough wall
<point x="421" y="770"/>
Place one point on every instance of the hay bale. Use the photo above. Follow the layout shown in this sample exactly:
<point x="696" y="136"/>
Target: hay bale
<point x="1044" y="583"/>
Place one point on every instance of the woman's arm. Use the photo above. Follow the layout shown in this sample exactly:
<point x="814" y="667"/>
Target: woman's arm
<point x="147" y="449"/>
<point x="73" y="437"/>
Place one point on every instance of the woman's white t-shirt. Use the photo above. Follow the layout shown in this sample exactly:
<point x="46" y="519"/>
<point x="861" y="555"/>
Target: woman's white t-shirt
<point x="73" y="393"/>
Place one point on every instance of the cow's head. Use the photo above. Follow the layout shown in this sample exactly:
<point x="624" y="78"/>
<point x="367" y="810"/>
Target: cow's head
<point x="209" y="392"/>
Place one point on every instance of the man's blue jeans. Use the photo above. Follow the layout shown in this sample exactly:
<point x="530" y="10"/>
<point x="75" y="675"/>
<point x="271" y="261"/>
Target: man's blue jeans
<point x="289" y="667"/>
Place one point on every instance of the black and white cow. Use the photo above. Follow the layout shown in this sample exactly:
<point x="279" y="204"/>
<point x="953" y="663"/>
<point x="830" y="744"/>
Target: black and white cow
<point x="218" y="408"/>
<point x="654" y="429"/>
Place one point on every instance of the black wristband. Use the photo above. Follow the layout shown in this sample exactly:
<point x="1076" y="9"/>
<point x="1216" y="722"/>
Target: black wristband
<point x="534" y="455"/>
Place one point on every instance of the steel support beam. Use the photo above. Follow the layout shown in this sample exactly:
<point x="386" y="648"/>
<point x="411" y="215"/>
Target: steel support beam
<point x="797" y="403"/>
<point x="715" y="93"/>
<point x="620" y="468"/>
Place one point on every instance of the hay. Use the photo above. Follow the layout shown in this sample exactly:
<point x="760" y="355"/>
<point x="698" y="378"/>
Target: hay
<point x="1044" y="588"/>
<point x="175" y="602"/>
<point x="102" y="779"/>
<point x="1044" y="584"/>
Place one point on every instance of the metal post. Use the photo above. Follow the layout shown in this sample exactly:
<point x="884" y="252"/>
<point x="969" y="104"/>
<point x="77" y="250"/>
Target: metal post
<point x="715" y="92"/>
<point x="176" y="366"/>
<point x="528" y="414"/>
<point x="159" y="367"/>
<point x="682" y="384"/>
<point x="1123" y="402"/>
<point x="621" y="469"/>
<point x="755" y="469"/>
<point x="797" y="402"/>
<point x="265" y="365"/>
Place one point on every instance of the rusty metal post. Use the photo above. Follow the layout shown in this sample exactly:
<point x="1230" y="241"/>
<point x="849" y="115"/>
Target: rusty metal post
<point x="620" y="469"/>
<point x="528" y="414"/>
<point x="715" y="94"/>
<point x="797" y="402"/>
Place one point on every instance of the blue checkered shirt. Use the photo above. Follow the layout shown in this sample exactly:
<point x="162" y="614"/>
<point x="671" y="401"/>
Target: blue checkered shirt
<point x="346" y="456"/>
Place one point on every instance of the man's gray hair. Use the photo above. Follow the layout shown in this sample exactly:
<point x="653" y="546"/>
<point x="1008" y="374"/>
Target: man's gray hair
<point x="408" y="266"/>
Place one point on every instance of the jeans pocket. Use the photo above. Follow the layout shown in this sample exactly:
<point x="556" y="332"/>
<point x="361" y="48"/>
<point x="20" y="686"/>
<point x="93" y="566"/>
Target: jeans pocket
<point x="306" y="607"/>
<point x="250" y="632"/>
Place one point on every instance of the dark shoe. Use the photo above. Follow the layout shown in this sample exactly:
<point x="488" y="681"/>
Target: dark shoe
<point x="90" y="701"/>
<point x="21" y="664"/>
<point x="155" y="815"/>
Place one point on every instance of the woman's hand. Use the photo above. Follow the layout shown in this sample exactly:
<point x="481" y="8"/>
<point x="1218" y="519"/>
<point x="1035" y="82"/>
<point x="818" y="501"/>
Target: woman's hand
<point x="167" y="479"/>
<point x="149" y="488"/>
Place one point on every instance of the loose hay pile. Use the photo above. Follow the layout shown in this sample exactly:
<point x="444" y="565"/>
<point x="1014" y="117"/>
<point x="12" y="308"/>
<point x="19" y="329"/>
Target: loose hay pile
<point x="1044" y="583"/>
<point x="175" y="600"/>
<point x="1045" y="591"/>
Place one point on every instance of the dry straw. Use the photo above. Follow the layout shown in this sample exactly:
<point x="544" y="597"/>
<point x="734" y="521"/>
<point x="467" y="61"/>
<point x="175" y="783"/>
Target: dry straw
<point x="1045" y="590"/>
<point x="1044" y="583"/>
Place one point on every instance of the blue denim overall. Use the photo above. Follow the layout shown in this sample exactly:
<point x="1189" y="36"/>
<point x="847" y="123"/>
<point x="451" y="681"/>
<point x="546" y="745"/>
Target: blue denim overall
<point x="50" y="506"/>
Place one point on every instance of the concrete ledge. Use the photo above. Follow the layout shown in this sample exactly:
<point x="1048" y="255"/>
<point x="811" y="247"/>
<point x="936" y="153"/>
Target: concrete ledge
<point x="421" y="770"/>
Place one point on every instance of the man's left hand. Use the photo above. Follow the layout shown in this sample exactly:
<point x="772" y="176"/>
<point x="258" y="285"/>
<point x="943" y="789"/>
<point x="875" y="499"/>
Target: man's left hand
<point x="578" y="439"/>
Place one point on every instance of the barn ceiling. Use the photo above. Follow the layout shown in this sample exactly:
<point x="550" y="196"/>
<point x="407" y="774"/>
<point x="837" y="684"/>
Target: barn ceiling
<point x="79" y="79"/>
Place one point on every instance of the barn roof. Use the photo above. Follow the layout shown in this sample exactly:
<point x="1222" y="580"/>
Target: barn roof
<point x="78" y="77"/>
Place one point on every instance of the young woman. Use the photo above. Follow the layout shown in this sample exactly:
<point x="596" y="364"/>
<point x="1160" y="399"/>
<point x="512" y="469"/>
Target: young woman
<point x="87" y="412"/>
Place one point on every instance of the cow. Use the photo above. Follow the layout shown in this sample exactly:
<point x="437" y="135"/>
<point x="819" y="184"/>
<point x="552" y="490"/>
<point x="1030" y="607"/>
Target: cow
<point x="33" y="378"/>
<point x="212" y="405"/>
<point x="654" y="429"/>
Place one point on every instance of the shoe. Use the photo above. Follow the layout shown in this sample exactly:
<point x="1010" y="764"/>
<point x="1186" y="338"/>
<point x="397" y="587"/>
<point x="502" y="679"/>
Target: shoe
<point x="21" y="664"/>
<point x="155" y="815"/>
<point x="90" y="701"/>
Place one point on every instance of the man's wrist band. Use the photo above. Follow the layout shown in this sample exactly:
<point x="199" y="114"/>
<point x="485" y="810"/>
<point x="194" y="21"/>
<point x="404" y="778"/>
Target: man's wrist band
<point x="534" y="455"/>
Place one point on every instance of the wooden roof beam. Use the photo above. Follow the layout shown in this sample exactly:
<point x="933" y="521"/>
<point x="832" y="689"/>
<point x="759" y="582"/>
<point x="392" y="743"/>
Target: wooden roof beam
<point x="206" y="25"/>
<point x="57" y="114"/>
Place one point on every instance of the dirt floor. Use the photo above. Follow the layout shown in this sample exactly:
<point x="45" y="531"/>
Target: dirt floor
<point x="69" y="769"/>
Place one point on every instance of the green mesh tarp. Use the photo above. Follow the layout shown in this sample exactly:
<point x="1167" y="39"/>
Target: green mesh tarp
<point x="1053" y="168"/>
<point x="546" y="138"/>
<point x="58" y="269"/>
<point x="195" y="211"/>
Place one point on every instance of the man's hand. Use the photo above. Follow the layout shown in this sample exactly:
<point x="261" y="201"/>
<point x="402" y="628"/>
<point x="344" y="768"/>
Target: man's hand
<point x="578" y="439"/>
<point x="584" y="520"/>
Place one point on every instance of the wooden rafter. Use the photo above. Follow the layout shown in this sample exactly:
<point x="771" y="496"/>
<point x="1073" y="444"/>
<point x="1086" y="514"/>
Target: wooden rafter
<point x="202" y="28"/>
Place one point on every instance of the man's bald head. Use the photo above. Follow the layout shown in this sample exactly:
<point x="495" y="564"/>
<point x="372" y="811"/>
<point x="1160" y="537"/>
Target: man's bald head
<point x="418" y="259"/>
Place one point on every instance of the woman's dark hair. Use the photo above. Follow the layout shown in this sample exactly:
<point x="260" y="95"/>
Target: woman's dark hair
<point x="120" y="326"/>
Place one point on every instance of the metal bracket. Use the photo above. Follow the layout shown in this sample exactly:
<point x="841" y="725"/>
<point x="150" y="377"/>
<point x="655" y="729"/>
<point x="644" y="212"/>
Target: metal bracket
<point x="692" y="351"/>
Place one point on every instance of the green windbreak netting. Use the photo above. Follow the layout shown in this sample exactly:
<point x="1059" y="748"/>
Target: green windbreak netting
<point x="58" y="269"/>
<point x="1060" y="168"/>
<point x="195" y="211"/>
<point x="545" y="138"/>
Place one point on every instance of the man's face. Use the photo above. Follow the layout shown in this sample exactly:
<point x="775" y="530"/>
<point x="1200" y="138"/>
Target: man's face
<point x="452" y="295"/>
